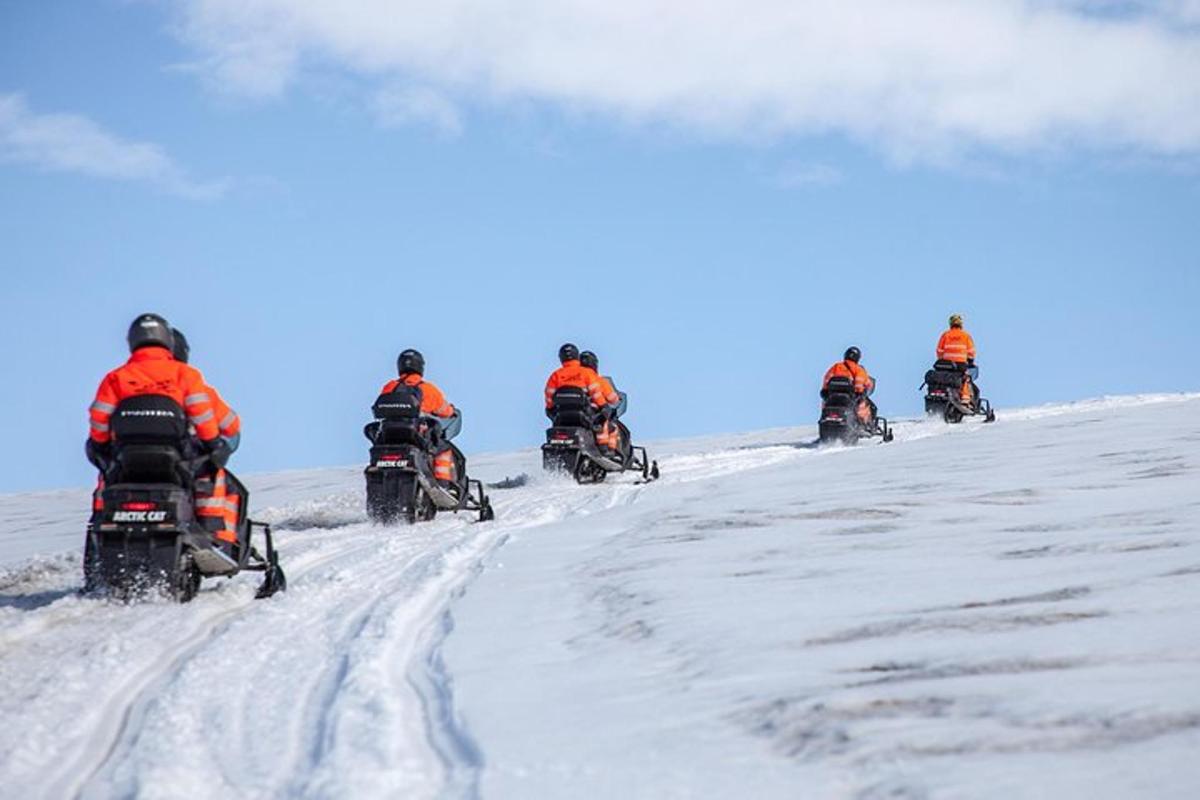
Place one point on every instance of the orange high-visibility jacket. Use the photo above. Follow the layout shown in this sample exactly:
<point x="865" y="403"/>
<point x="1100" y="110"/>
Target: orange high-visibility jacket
<point x="432" y="400"/>
<point x="153" y="370"/>
<point x="227" y="419"/>
<point x="572" y="373"/>
<point x="848" y="369"/>
<point x="956" y="345"/>
<point x="610" y="391"/>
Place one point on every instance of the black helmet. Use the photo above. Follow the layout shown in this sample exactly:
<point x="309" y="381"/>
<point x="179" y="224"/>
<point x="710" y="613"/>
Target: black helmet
<point x="150" y="330"/>
<point x="411" y="362"/>
<point x="568" y="352"/>
<point x="853" y="354"/>
<point x="180" y="349"/>
<point x="588" y="359"/>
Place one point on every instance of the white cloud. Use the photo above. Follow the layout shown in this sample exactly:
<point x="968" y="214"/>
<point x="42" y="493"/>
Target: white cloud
<point x="398" y="106"/>
<point x="920" y="79"/>
<point x="74" y="143"/>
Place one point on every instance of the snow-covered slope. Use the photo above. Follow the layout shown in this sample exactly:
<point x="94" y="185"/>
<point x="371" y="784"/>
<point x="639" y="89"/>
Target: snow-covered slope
<point x="1000" y="611"/>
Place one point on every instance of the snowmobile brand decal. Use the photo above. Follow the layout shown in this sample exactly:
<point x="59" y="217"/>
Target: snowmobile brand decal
<point x="136" y="511"/>
<point x="146" y="412"/>
<point x="139" y="516"/>
<point x="393" y="461"/>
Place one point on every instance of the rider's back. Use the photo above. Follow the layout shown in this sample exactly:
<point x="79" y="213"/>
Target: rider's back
<point x="956" y="345"/>
<point x="153" y="370"/>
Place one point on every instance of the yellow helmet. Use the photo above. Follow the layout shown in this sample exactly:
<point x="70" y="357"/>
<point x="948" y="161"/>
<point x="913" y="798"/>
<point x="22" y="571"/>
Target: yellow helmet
<point x="956" y="320"/>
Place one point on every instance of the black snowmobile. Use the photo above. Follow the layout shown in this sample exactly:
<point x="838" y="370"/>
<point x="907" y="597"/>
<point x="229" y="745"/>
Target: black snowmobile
<point x="145" y="534"/>
<point x="571" y="442"/>
<point x="839" y="416"/>
<point x="943" y="396"/>
<point x="401" y="481"/>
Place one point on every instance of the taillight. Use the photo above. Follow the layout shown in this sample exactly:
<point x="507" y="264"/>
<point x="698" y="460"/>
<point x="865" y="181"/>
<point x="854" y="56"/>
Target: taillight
<point x="561" y="437"/>
<point x="139" y="506"/>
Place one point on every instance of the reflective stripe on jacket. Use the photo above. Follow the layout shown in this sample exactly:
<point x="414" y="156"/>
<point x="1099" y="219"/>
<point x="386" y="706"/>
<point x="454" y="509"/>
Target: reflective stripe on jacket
<point x="956" y="345"/>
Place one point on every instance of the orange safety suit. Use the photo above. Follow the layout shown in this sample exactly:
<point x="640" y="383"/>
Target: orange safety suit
<point x="434" y="403"/>
<point x="609" y="434"/>
<point x="863" y="383"/>
<point x="153" y="370"/>
<point x="228" y="422"/>
<point x="572" y="373"/>
<point x="957" y="345"/>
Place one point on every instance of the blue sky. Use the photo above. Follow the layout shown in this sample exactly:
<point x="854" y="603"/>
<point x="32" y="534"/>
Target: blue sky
<point x="716" y="234"/>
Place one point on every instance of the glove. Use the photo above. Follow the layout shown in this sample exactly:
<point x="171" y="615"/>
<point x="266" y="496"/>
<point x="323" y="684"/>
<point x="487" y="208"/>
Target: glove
<point x="98" y="455"/>
<point x="970" y="362"/>
<point x="218" y="452"/>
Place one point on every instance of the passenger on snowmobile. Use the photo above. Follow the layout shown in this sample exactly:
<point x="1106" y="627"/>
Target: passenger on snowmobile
<point x="589" y="359"/>
<point x="957" y="347"/>
<point x="218" y="498"/>
<point x="610" y="432"/>
<point x="227" y="419"/>
<point x="864" y="384"/>
<point x="411" y="367"/>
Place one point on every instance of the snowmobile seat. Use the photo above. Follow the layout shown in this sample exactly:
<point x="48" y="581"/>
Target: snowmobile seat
<point x="942" y="365"/>
<point x="572" y="408"/>
<point x="416" y="432"/>
<point x="150" y="434"/>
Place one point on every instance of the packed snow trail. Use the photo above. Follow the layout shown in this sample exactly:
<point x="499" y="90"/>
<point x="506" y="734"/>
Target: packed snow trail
<point x="429" y="661"/>
<point x="332" y="689"/>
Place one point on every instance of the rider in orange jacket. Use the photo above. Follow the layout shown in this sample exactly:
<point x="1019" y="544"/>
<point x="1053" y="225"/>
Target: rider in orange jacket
<point x="411" y="367"/>
<point x="610" y="433"/>
<point x="864" y="384"/>
<point x="956" y="345"/>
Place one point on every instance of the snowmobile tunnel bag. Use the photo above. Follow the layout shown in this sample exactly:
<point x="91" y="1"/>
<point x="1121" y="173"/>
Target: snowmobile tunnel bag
<point x="403" y="402"/>
<point x="149" y="419"/>
<point x="149" y="432"/>
<point x="572" y="407"/>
